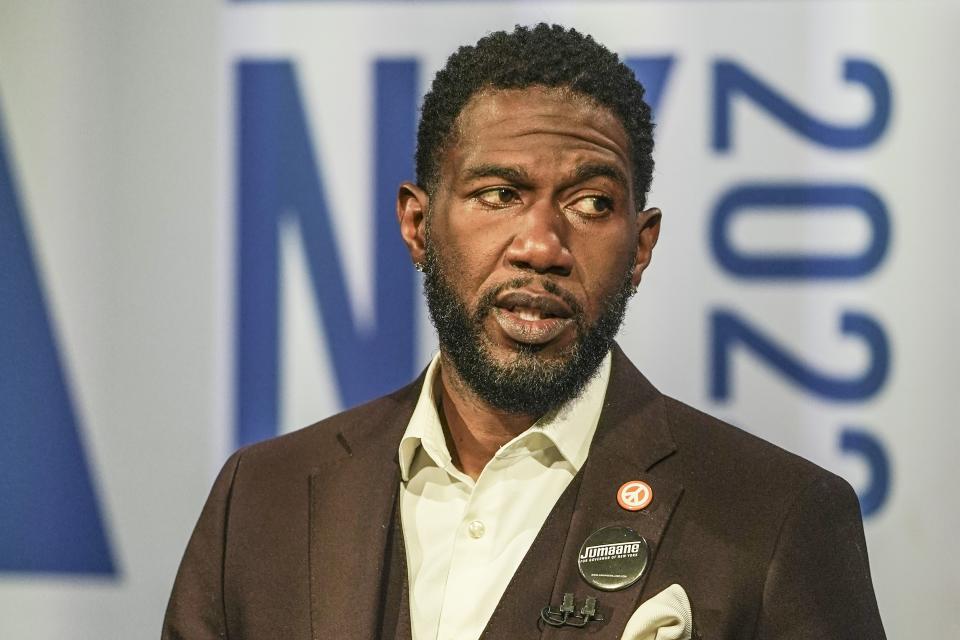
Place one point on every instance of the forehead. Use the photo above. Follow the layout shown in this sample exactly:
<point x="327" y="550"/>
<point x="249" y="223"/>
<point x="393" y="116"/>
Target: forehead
<point x="540" y="126"/>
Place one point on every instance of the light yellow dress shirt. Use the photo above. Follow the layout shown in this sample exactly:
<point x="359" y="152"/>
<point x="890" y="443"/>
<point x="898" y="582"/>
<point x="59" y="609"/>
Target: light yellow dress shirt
<point x="465" y="539"/>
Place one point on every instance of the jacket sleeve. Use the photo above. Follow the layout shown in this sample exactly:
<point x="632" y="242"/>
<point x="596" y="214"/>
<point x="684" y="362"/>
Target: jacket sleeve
<point x="818" y="580"/>
<point x="196" y="608"/>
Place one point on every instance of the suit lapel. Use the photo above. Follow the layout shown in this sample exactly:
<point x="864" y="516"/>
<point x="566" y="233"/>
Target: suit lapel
<point x="632" y="437"/>
<point x="352" y="510"/>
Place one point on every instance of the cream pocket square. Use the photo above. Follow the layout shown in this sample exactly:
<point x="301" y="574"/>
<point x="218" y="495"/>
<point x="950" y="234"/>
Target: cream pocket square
<point x="665" y="616"/>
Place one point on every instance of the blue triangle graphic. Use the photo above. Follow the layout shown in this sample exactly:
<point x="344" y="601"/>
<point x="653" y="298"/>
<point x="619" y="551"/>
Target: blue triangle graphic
<point x="50" y="521"/>
<point x="652" y="72"/>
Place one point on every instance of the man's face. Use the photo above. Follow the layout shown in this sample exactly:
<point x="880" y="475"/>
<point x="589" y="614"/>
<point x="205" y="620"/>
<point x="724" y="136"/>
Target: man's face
<point x="532" y="244"/>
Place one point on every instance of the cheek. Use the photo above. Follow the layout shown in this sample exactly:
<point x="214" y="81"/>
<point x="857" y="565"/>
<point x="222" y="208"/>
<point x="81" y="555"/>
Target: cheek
<point x="604" y="265"/>
<point x="474" y="251"/>
<point x="468" y="256"/>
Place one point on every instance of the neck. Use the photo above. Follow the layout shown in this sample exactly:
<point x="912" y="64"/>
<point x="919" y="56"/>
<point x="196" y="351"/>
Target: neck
<point x="474" y="430"/>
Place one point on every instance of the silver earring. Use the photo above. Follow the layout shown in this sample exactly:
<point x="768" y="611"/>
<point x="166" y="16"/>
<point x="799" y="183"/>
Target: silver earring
<point x="419" y="266"/>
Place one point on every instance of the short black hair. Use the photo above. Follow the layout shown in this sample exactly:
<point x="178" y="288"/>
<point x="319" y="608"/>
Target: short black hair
<point x="546" y="55"/>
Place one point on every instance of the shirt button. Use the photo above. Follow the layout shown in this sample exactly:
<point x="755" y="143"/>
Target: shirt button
<point x="476" y="529"/>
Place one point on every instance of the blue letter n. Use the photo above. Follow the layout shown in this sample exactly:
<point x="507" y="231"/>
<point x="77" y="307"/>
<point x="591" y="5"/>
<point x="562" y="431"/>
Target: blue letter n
<point x="279" y="177"/>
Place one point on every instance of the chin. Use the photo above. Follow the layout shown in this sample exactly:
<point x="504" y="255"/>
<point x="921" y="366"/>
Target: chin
<point x="510" y="351"/>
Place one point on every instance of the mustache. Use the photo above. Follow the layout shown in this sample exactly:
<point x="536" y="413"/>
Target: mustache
<point x="487" y="300"/>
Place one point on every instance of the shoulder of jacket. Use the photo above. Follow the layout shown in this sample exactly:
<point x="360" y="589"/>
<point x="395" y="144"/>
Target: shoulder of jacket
<point x="730" y="472"/>
<point x="314" y="446"/>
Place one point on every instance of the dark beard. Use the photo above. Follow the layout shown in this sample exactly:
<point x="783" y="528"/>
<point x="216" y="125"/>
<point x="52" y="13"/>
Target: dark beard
<point x="530" y="384"/>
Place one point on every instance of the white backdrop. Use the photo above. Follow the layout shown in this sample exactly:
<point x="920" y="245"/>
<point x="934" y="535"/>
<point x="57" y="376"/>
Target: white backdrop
<point x="126" y="127"/>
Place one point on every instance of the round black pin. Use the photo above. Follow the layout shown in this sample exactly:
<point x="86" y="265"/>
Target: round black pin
<point x="613" y="558"/>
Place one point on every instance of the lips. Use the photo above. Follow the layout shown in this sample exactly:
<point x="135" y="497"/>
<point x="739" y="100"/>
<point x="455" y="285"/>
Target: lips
<point x="532" y="318"/>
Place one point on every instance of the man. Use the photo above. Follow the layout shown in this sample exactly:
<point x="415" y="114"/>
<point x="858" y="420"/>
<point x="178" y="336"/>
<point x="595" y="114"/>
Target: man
<point x="531" y="482"/>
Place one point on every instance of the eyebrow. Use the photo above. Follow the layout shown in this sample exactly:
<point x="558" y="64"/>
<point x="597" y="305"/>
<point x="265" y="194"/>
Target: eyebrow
<point x="511" y="174"/>
<point x="600" y="170"/>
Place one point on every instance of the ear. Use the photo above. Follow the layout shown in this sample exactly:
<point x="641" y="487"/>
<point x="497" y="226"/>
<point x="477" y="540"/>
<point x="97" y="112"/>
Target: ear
<point x="412" y="205"/>
<point x="649" y="223"/>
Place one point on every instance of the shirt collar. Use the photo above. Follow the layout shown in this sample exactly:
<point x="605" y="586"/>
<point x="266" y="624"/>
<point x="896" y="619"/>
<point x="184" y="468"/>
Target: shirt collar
<point x="569" y="429"/>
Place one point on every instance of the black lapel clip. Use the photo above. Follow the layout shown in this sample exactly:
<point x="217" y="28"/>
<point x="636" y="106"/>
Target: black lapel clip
<point x="566" y="614"/>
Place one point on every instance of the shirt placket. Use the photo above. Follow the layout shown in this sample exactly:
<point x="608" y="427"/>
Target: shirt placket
<point x="474" y="559"/>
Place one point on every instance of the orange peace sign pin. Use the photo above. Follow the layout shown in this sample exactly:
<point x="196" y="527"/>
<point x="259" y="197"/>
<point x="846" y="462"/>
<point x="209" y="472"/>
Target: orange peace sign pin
<point x="634" y="495"/>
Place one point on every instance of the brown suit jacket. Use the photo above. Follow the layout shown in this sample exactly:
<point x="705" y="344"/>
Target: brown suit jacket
<point x="295" y="539"/>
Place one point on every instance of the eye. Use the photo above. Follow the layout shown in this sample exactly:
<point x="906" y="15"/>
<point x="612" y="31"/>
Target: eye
<point x="498" y="196"/>
<point x="592" y="205"/>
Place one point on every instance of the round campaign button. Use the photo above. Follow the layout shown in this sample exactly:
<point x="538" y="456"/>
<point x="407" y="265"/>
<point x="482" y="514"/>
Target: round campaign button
<point x="634" y="495"/>
<point x="613" y="558"/>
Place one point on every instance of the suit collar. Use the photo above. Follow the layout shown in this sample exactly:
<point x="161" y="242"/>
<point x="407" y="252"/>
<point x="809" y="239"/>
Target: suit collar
<point x="630" y="401"/>
<point x="634" y="430"/>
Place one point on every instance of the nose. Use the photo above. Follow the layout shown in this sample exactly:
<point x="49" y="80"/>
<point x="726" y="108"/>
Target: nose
<point x="540" y="242"/>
